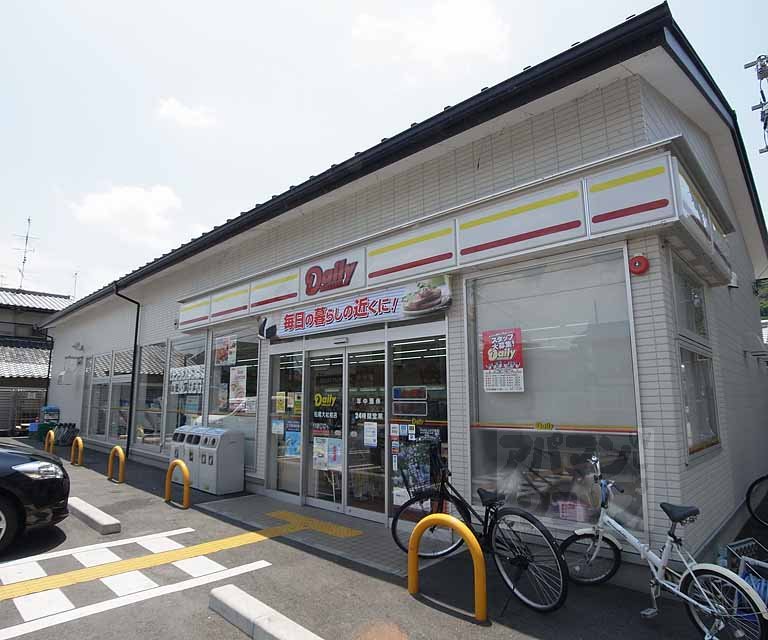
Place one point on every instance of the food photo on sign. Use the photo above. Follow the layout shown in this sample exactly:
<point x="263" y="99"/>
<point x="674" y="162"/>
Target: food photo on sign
<point x="503" y="361"/>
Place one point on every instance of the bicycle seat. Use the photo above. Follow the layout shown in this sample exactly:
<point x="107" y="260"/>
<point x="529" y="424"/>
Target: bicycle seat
<point x="677" y="513"/>
<point x="489" y="498"/>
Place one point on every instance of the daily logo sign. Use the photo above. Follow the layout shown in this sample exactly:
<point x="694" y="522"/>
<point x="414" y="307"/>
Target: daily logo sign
<point x="339" y="275"/>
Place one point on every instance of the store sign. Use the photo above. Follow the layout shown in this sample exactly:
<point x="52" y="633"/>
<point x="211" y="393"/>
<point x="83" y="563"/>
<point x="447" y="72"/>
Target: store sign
<point x="399" y="303"/>
<point x="503" y="361"/>
<point x="186" y="379"/>
<point x="325" y="277"/>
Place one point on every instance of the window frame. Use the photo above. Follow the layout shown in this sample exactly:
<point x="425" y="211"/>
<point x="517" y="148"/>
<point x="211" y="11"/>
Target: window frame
<point x="697" y="344"/>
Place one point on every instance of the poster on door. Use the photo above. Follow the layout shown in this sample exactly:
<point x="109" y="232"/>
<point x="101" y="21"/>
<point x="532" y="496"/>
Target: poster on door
<point x="237" y="377"/>
<point x="335" y="453"/>
<point x="224" y="351"/>
<point x="370" y="434"/>
<point x="503" y="361"/>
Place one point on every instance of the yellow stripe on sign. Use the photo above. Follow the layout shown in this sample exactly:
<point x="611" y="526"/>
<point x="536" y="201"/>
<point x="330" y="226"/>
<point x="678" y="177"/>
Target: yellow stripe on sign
<point x="410" y="242"/>
<point x="272" y="283"/>
<point x="627" y="179"/>
<point x="525" y="208"/>
<point x="227" y="296"/>
<point x="295" y="522"/>
<point x="197" y="305"/>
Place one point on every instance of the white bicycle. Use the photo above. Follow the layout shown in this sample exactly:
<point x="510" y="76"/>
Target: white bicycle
<point x="720" y="603"/>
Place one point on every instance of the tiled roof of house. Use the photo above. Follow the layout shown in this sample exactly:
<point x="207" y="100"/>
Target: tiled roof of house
<point x="23" y="362"/>
<point x="38" y="300"/>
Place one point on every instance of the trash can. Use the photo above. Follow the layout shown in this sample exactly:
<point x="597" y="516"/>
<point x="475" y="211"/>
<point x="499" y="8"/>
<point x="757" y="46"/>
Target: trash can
<point x="192" y="454"/>
<point x="222" y="461"/>
<point x="179" y="449"/>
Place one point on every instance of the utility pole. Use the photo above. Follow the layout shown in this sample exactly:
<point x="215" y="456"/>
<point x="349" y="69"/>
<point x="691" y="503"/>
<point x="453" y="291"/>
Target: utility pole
<point x="761" y="68"/>
<point x="25" y="251"/>
<point x="74" y="293"/>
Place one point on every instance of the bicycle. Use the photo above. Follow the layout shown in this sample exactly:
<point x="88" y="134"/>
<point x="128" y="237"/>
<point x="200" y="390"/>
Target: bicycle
<point x="756" y="500"/>
<point x="717" y="600"/>
<point x="524" y="551"/>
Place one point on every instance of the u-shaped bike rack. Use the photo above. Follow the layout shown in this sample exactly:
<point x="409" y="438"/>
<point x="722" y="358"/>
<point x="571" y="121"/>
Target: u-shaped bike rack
<point x="117" y="450"/>
<point x="185" y="476"/>
<point x="478" y="561"/>
<point x="77" y="446"/>
<point x="50" y="439"/>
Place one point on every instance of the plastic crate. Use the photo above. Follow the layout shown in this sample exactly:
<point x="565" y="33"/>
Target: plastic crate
<point x="749" y="559"/>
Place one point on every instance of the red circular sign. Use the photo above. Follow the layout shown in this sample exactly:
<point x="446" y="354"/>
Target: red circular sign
<point x="638" y="265"/>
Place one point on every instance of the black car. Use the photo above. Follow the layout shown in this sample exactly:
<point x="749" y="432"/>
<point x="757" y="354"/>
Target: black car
<point x="34" y="489"/>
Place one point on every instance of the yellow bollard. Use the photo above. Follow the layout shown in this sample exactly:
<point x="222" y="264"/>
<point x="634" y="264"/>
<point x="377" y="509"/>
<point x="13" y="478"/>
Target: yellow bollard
<point x="445" y="520"/>
<point x="50" y="438"/>
<point x="117" y="450"/>
<point x="185" y="476"/>
<point x="77" y="445"/>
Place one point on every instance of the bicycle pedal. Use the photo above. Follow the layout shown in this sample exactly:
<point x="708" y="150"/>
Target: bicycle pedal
<point x="649" y="613"/>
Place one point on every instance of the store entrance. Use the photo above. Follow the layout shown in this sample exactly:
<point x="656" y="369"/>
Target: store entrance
<point x="345" y="423"/>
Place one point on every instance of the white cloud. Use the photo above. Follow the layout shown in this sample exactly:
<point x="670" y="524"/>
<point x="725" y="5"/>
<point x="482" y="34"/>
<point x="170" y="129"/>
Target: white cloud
<point x="147" y="216"/>
<point x="446" y="33"/>
<point x="188" y="117"/>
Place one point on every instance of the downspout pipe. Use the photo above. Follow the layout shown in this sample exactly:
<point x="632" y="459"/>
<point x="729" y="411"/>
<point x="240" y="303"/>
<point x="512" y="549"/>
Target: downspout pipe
<point x="129" y="434"/>
<point x="49" y="340"/>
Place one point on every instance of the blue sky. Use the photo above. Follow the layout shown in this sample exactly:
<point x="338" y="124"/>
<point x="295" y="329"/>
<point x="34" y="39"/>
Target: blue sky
<point x="127" y="128"/>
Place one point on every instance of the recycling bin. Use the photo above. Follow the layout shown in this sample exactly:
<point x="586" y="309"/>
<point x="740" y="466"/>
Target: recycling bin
<point x="222" y="461"/>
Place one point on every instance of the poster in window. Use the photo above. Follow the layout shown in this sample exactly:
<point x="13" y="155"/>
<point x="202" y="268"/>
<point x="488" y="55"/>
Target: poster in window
<point x="237" y="377"/>
<point x="335" y="454"/>
<point x="370" y="434"/>
<point x="225" y="351"/>
<point x="503" y="361"/>
<point x="320" y="454"/>
<point x="280" y="402"/>
<point x="278" y="427"/>
<point x="293" y="440"/>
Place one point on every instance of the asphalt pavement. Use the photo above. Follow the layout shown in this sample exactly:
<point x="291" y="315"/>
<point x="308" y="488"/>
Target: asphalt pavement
<point x="166" y="596"/>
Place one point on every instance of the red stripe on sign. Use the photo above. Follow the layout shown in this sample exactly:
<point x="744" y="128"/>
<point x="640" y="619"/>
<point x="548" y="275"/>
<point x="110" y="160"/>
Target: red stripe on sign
<point x="226" y="311"/>
<point x="194" y="320"/>
<point x="565" y="226"/>
<point x="630" y="211"/>
<point x="410" y="265"/>
<point x="287" y="296"/>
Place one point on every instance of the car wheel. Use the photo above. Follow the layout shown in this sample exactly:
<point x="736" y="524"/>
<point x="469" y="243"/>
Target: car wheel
<point x="9" y="522"/>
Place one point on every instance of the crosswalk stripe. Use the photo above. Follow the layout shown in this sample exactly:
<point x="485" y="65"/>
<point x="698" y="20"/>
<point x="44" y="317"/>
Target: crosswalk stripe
<point x="156" y="545"/>
<point x="21" y="572"/>
<point x="143" y="562"/>
<point x="200" y="566"/>
<point x="95" y="557"/>
<point x="40" y="605"/>
<point x="129" y="582"/>
<point x="101" y="545"/>
<point x="89" y="610"/>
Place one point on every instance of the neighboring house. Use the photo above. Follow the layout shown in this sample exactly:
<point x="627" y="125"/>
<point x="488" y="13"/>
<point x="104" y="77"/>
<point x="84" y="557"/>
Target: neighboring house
<point x="560" y="264"/>
<point x="24" y="353"/>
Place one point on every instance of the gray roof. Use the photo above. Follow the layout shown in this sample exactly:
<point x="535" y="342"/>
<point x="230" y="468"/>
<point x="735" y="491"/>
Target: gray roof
<point x="23" y="362"/>
<point x="37" y="300"/>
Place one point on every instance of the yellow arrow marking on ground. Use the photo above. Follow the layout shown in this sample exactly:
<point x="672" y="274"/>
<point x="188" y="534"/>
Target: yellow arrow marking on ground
<point x="295" y="522"/>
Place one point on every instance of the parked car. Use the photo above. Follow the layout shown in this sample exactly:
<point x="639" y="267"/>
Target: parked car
<point x="34" y="490"/>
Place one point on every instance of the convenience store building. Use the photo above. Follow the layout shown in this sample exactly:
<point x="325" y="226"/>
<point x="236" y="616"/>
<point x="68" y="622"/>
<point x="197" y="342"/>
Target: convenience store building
<point x="560" y="264"/>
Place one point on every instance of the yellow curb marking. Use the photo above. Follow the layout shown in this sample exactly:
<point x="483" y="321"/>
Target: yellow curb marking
<point x="295" y="522"/>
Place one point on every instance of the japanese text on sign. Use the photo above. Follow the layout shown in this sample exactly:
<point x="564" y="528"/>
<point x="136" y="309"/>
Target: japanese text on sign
<point x="503" y="361"/>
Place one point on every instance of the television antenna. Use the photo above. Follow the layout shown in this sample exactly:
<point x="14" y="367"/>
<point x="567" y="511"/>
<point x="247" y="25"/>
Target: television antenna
<point x="26" y="250"/>
<point x="761" y="69"/>
<point x="74" y="292"/>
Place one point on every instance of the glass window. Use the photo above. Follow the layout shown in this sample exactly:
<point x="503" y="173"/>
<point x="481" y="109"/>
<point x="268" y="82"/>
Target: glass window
<point x="118" y="414"/>
<point x="97" y="421"/>
<point x="419" y="403"/>
<point x="553" y="383"/>
<point x="234" y="386"/>
<point x="149" y="394"/>
<point x="692" y="204"/>
<point x="185" y="384"/>
<point x="86" y="395"/>
<point x="698" y="400"/>
<point x="285" y="421"/>
<point x="689" y="297"/>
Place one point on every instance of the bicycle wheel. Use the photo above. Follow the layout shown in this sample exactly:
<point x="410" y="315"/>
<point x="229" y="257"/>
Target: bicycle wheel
<point x="590" y="561"/>
<point x="736" y="610"/>
<point x="529" y="559"/>
<point x="436" y="541"/>
<point x="757" y="500"/>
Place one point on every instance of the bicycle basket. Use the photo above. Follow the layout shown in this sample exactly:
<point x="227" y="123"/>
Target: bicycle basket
<point x="421" y="466"/>
<point x="749" y="559"/>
